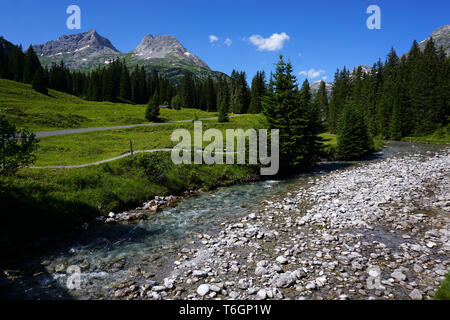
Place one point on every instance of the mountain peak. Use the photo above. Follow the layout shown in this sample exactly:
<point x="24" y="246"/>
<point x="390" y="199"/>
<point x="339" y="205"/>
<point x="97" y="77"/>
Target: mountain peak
<point x="165" y="46"/>
<point x="68" y="44"/>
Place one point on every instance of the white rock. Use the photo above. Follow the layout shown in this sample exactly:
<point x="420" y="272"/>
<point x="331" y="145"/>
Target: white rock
<point x="203" y="289"/>
<point x="262" y="294"/>
<point x="281" y="260"/>
<point x="416" y="295"/>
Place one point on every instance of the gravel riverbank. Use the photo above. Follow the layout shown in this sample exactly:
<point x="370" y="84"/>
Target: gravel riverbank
<point x="375" y="231"/>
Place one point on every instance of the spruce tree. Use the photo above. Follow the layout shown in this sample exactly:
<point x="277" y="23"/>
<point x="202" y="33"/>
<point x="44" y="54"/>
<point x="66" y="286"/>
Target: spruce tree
<point x="31" y="65"/>
<point x="321" y="105"/>
<point x="39" y="83"/>
<point x="16" y="64"/>
<point x="176" y="102"/>
<point x="313" y="143"/>
<point x="353" y="138"/>
<point x="152" y="112"/>
<point x="125" y="84"/>
<point x="3" y="62"/>
<point x="284" y="111"/>
<point x="187" y="91"/>
<point x="257" y="91"/>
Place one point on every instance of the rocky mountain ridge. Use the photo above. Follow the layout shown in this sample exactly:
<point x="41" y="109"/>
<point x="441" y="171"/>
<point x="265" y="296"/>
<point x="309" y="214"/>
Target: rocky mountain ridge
<point x="89" y="50"/>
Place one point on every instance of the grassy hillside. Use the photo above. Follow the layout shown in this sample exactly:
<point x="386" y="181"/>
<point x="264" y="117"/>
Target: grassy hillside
<point x="28" y="108"/>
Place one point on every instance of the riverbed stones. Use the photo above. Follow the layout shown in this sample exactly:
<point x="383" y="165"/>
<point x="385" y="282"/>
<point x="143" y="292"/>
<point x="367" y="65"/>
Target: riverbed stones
<point x="398" y="275"/>
<point x="281" y="260"/>
<point x="203" y="290"/>
<point x="337" y="226"/>
<point x="416" y="295"/>
<point x="262" y="294"/>
<point x="199" y="274"/>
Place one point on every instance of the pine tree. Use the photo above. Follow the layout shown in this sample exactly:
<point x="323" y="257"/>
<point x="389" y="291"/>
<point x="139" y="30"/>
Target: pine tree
<point x="321" y="105"/>
<point x="257" y="91"/>
<point x="125" y="84"/>
<point x="309" y="111"/>
<point x="187" y="91"/>
<point x="16" y="64"/>
<point x="135" y="86"/>
<point x="210" y="94"/>
<point x="353" y="138"/>
<point x="152" y="112"/>
<point x="223" y="99"/>
<point x="176" y="102"/>
<point x="31" y="65"/>
<point x="283" y="111"/>
<point x="3" y="61"/>
<point x="239" y="96"/>
<point x="339" y="96"/>
<point x="39" y="83"/>
<point x="389" y="96"/>
<point x="398" y="127"/>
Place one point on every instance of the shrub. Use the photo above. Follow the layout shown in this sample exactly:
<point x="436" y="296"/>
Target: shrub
<point x="17" y="147"/>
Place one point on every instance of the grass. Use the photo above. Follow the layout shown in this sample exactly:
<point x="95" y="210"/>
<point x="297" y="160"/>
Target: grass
<point x="441" y="135"/>
<point x="27" y="108"/>
<point x="330" y="144"/>
<point x="84" y="148"/>
<point x="443" y="292"/>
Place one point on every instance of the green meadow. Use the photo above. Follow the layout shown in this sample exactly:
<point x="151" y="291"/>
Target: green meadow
<point x="58" y="111"/>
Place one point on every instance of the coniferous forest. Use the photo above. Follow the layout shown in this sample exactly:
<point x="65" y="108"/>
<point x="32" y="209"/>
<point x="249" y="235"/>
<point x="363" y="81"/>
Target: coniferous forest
<point x="407" y="95"/>
<point x="116" y="83"/>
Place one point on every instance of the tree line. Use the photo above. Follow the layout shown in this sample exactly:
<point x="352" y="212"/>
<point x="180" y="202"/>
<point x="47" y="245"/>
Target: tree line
<point x="115" y="82"/>
<point x="403" y="96"/>
<point x="406" y="95"/>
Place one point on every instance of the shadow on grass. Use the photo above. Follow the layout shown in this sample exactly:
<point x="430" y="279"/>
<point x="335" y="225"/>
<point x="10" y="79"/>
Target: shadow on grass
<point x="28" y="212"/>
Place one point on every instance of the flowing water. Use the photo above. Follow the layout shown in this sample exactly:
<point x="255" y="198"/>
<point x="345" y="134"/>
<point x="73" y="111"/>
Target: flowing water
<point x="111" y="254"/>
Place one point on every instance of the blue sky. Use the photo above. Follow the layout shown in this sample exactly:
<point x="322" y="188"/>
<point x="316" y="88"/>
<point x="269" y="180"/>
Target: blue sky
<point x="317" y="36"/>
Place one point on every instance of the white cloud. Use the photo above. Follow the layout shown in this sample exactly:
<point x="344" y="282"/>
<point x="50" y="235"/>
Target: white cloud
<point x="213" y="38"/>
<point x="312" y="73"/>
<point x="324" y="78"/>
<point x="299" y="54"/>
<point x="273" y="43"/>
<point x="228" y="42"/>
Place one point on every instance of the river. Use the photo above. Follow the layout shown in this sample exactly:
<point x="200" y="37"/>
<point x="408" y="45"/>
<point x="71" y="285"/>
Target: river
<point x="145" y="251"/>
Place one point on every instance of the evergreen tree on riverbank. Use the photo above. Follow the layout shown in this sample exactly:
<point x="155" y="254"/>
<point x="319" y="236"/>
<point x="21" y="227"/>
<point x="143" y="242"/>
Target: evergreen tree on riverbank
<point x="287" y="110"/>
<point x="353" y="139"/>
<point x="321" y="105"/>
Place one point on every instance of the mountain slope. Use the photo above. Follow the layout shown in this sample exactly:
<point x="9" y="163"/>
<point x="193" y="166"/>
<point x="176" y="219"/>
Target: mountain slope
<point x="5" y="45"/>
<point x="441" y="38"/>
<point x="78" y="51"/>
<point x="164" y="47"/>
<point x="89" y="50"/>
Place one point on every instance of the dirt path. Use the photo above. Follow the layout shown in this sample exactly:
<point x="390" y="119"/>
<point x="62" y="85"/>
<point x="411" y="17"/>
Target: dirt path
<point x="100" y="162"/>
